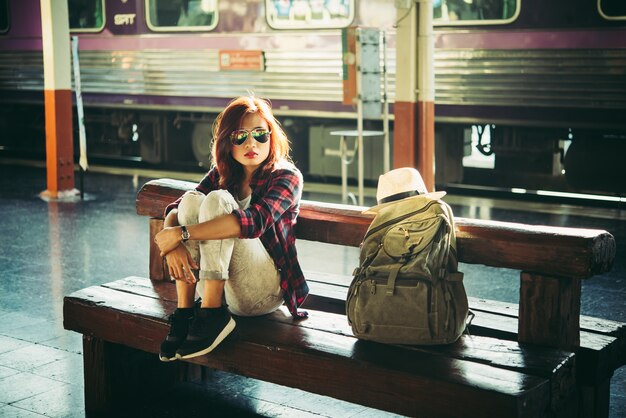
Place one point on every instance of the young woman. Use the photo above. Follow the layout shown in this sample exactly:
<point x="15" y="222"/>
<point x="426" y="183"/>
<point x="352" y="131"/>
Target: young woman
<point x="232" y="238"/>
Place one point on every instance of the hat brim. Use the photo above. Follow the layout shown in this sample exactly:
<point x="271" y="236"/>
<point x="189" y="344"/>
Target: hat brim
<point x="377" y="208"/>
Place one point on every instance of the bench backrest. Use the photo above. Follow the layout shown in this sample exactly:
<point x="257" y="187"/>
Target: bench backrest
<point x="552" y="260"/>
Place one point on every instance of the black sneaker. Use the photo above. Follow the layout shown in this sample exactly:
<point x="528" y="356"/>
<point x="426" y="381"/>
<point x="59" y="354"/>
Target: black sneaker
<point x="179" y="322"/>
<point x="209" y="328"/>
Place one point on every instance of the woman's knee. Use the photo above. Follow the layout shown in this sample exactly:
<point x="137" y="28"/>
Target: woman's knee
<point x="216" y="203"/>
<point x="189" y="207"/>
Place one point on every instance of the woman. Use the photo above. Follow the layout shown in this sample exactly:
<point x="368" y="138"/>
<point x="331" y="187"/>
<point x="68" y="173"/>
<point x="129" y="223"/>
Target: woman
<point x="232" y="238"/>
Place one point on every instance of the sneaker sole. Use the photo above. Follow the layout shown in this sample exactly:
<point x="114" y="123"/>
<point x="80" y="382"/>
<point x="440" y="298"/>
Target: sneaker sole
<point x="167" y="359"/>
<point x="227" y="330"/>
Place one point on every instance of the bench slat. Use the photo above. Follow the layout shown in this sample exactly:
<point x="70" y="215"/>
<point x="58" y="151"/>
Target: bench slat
<point x="504" y="354"/>
<point x="337" y="285"/>
<point x="387" y="377"/>
<point x="598" y="356"/>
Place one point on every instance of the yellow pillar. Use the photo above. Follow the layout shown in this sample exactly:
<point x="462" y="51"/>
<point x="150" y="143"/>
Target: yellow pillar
<point x="414" y="108"/>
<point x="58" y="99"/>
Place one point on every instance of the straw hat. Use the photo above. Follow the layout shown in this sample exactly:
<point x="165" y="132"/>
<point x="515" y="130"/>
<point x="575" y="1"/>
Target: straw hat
<point x="400" y="184"/>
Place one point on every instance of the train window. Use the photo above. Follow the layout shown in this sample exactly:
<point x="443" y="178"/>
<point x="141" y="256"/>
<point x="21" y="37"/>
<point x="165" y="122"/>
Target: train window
<point x="86" y="15"/>
<point x="612" y="9"/>
<point x="181" y="15"/>
<point x="4" y="16"/>
<point x="309" y="14"/>
<point x="474" y="12"/>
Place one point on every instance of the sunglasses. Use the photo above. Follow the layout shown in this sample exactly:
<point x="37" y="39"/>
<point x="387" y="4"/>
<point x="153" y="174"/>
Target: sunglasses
<point x="260" y="135"/>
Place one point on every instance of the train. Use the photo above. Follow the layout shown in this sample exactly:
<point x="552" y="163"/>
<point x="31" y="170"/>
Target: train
<point x="528" y="93"/>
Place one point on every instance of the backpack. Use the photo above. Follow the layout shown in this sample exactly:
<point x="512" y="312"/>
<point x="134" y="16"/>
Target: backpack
<point x="407" y="289"/>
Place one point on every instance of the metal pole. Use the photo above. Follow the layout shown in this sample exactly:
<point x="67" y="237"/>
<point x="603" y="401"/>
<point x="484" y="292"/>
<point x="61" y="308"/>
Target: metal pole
<point x="386" y="162"/>
<point x="359" y="122"/>
<point x="343" y="150"/>
<point x="82" y="162"/>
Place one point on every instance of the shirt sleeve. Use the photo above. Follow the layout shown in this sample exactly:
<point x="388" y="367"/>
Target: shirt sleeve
<point x="283" y="193"/>
<point x="208" y="183"/>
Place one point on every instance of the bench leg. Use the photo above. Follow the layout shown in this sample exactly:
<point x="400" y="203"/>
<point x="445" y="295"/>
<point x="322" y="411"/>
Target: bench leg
<point x="594" y="400"/>
<point x="97" y="380"/>
<point x="114" y="372"/>
<point x="549" y="311"/>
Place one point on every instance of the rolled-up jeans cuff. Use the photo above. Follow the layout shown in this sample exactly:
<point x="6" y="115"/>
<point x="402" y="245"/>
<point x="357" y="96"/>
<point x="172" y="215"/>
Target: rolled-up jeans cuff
<point x="213" y="275"/>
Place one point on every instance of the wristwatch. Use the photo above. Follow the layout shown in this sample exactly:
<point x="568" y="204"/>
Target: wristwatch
<point x="184" y="234"/>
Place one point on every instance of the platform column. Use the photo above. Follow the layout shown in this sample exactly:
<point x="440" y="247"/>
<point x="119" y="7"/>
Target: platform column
<point x="414" y="108"/>
<point x="58" y="99"/>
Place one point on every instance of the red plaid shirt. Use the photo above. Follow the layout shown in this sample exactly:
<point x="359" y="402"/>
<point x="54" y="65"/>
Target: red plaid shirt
<point x="272" y="214"/>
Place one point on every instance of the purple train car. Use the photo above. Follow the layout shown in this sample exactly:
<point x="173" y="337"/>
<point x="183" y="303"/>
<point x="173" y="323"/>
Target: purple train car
<point x="529" y="93"/>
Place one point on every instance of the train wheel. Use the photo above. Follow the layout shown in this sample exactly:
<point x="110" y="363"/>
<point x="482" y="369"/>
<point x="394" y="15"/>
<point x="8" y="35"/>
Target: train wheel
<point x="201" y="143"/>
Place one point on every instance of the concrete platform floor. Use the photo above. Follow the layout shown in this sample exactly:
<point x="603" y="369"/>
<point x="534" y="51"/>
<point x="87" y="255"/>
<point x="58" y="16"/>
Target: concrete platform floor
<point x="50" y="249"/>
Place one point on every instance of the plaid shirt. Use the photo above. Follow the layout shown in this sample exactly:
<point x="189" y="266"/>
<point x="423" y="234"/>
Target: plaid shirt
<point x="274" y="206"/>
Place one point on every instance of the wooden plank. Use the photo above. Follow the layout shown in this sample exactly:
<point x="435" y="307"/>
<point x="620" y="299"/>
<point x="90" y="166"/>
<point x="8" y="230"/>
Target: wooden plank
<point x="537" y="361"/>
<point x="510" y="355"/>
<point x="599" y="354"/>
<point x="97" y="384"/>
<point x="595" y="400"/>
<point x="553" y="364"/>
<point x="391" y="378"/>
<point x="163" y="290"/>
<point x="549" y="311"/>
<point x="554" y="251"/>
<point x="334" y="224"/>
<point x="158" y="269"/>
<point x="589" y="327"/>
<point x="115" y="374"/>
<point x="504" y="354"/>
<point x="595" y="359"/>
<point x="155" y="195"/>
<point x="331" y="291"/>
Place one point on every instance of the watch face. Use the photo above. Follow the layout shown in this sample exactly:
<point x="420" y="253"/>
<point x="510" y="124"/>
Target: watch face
<point x="185" y="234"/>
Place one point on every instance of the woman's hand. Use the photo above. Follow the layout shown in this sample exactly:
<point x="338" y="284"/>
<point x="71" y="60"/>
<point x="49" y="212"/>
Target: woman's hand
<point x="180" y="264"/>
<point x="167" y="239"/>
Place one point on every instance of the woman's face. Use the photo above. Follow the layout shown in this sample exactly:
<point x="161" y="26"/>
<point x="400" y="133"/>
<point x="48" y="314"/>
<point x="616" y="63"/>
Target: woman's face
<point x="251" y="153"/>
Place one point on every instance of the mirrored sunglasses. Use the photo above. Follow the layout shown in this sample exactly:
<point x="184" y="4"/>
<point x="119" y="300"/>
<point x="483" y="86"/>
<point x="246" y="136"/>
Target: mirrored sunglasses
<point x="260" y="135"/>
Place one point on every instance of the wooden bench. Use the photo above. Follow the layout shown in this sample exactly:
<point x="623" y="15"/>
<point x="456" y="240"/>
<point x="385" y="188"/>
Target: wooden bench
<point x="538" y="359"/>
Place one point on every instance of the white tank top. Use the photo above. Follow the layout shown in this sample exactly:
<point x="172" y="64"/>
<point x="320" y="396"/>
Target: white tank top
<point x="245" y="203"/>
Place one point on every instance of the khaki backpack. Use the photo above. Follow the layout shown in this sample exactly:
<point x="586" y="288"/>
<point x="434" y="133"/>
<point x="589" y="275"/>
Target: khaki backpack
<point x="407" y="289"/>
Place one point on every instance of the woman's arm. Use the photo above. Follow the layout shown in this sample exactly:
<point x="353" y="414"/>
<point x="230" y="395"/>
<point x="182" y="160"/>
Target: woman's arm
<point x="169" y="240"/>
<point x="225" y="226"/>
<point x="179" y="261"/>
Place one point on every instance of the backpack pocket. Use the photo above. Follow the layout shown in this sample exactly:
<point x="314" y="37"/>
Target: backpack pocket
<point x="402" y="317"/>
<point x="409" y="238"/>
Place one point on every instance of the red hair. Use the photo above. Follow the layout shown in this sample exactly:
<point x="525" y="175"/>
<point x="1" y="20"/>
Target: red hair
<point x="230" y="171"/>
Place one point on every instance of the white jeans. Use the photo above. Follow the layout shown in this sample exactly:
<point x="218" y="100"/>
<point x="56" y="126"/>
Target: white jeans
<point x="252" y="281"/>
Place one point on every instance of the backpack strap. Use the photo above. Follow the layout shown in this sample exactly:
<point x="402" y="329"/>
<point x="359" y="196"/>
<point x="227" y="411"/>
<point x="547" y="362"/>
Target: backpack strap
<point x="365" y="264"/>
<point x="391" y="281"/>
<point x="455" y="276"/>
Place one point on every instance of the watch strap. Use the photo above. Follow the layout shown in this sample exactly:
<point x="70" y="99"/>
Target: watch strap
<point x="184" y="233"/>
